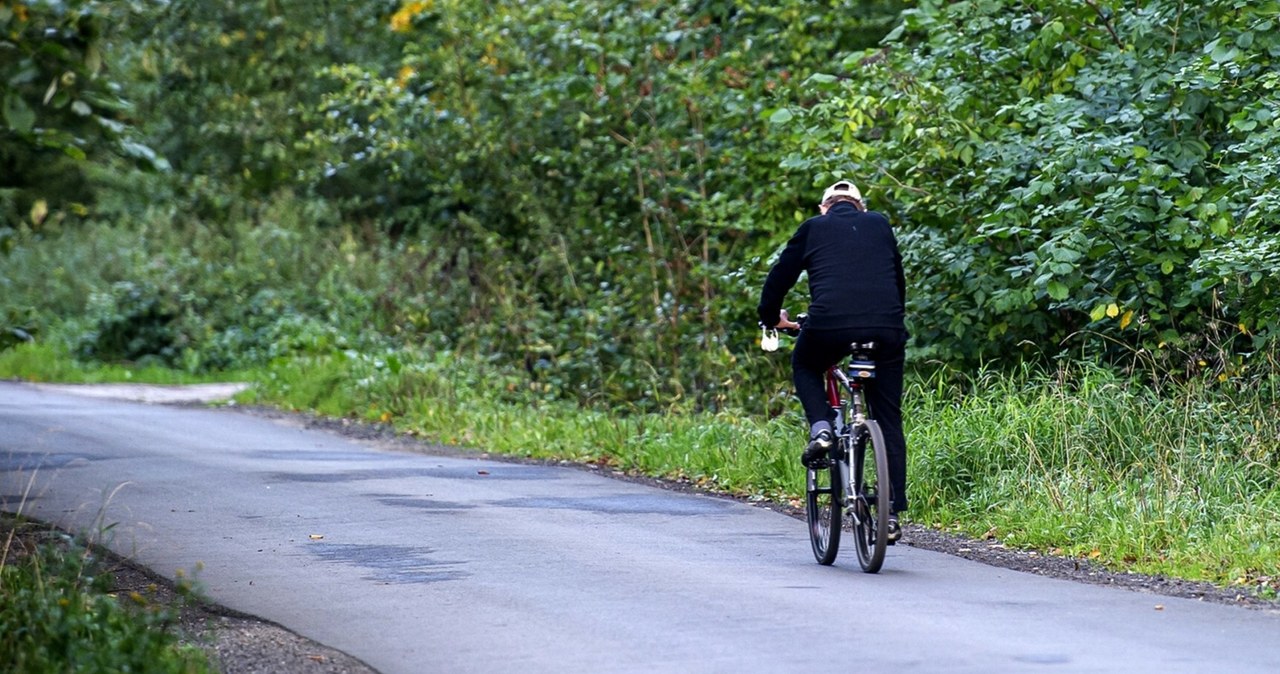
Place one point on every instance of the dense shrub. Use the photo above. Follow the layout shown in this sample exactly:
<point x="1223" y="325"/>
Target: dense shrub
<point x="58" y="615"/>
<point x="1060" y="168"/>
<point x="130" y="322"/>
<point x="591" y="191"/>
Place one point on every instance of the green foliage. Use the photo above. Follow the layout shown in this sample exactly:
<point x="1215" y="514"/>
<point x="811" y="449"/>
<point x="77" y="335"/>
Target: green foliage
<point x="592" y="175"/>
<point x="1060" y="167"/>
<point x="130" y="322"/>
<point x="1183" y="481"/>
<point x="194" y="298"/>
<point x="60" y="106"/>
<point x="58" y="616"/>
<point x="16" y="327"/>
<point x="226" y="87"/>
<point x="41" y="361"/>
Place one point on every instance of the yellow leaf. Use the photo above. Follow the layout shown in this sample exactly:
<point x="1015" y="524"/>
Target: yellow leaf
<point x="406" y="73"/>
<point x="1113" y="310"/>
<point x="39" y="211"/>
<point x="386" y="416"/>
<point x="1126" y="319"/>
<point x="1095" y="554"/>
<point x="1243" y="329"/>
<point x="402" y="20"/>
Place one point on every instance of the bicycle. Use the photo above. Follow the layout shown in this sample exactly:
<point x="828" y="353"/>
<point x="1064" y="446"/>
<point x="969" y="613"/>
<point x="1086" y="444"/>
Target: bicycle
<point x="854" y="478"/>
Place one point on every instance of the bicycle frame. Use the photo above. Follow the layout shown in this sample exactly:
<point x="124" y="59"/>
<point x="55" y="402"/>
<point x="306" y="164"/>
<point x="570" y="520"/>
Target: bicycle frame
<point x="836" y="379"/>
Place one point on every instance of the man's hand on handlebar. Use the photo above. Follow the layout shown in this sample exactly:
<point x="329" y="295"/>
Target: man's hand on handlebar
<point x="785" y="322"/>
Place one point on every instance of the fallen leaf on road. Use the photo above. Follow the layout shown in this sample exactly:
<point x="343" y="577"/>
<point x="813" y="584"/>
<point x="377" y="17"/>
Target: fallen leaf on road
<point x="482" y="472"/>
<point x="1159" y="607"/>
<point x="316" y="537"/>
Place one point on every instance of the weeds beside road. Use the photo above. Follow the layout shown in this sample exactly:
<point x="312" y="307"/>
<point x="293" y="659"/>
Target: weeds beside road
<point x="62" y="611"/>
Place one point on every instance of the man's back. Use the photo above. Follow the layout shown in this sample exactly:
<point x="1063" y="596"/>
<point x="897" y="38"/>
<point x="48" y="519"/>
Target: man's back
<point x="855" y="270"/>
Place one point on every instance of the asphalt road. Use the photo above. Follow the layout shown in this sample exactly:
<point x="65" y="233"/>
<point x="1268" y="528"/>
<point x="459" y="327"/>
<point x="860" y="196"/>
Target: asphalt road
<point x="421" y="563"/>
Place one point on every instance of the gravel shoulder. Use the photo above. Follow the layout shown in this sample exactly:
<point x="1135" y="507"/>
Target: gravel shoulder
<point x="242" y="644"/>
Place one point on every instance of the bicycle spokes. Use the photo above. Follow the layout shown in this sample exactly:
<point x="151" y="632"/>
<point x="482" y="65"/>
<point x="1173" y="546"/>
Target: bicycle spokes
<point x="823" y="503"/>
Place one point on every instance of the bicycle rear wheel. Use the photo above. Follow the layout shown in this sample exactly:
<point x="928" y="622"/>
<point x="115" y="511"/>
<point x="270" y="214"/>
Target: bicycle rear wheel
<point x="871" y="495"/>
<point x="823" y="500"/>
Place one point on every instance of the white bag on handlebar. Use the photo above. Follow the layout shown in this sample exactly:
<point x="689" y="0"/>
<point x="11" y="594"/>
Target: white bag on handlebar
<point x="769" y="339"/>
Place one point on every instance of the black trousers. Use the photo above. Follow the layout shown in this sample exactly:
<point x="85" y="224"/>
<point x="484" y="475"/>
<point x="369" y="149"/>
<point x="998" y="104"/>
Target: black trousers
<point x="818" y="350"/>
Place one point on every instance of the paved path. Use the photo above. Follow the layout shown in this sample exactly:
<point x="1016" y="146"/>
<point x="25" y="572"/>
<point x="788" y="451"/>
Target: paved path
<point x="421" y="563"/>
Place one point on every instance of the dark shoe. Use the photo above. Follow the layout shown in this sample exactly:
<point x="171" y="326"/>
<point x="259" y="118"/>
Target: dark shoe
<point x="894" y="530"/>
<point x="819" y="450"/>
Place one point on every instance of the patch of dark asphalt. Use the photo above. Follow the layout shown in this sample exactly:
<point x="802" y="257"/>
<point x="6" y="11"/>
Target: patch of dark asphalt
<point x="396" y="564"/>
<point x="986" y="551"/>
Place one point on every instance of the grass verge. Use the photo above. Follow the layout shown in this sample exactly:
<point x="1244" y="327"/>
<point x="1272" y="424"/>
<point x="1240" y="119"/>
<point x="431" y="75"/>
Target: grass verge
<point x="59" y="614"/>
<point x="44" y="362"/>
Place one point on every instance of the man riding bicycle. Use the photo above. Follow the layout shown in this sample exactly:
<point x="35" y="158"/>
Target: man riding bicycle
<point x="857" y="294"/>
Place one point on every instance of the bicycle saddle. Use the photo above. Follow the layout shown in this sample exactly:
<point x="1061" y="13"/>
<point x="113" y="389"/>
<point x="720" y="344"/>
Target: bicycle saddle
<point x="861" y="366"/>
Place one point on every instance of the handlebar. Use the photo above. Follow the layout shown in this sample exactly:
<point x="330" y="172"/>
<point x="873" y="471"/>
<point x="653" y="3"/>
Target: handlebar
<point x="795" y="332"/>
<point x="769" y="338"/>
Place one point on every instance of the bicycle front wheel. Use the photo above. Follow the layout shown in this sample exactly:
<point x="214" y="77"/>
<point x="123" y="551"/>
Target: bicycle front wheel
<point x="823" y="500"/>
<point x="871" y="495"/>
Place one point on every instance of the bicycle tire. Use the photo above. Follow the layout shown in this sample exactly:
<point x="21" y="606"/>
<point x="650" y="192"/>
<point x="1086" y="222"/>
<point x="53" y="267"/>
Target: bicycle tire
<point x="824" y="498"/>
<point x="870" y="504"/>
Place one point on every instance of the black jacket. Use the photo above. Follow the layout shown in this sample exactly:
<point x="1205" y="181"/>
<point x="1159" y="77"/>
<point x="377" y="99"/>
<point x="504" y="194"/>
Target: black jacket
<point x="855" y="272"/>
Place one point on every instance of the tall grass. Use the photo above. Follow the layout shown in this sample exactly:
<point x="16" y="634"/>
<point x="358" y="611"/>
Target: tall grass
<point x="59" y="613"/>
<point x="1184" y="482"/>
<point x="1079" y="461"/>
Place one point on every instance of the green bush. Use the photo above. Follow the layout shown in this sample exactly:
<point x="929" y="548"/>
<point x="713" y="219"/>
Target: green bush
<point x="1091" y="177"/>
<point x="130" y="322"/>
<point x="58" y="616"/>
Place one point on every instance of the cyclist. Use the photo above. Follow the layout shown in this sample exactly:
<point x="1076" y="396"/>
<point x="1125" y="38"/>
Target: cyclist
<point x="857" y="294"/>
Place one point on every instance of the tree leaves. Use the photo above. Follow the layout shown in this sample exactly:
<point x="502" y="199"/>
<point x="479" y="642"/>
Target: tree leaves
<point x="18" y="115"/>
<point x="1080" y="146"/>
<point x="59" y="107"/>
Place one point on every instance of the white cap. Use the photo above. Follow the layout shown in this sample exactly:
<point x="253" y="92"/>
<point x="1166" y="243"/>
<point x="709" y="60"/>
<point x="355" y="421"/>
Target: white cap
<point x="844" y="188"/>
